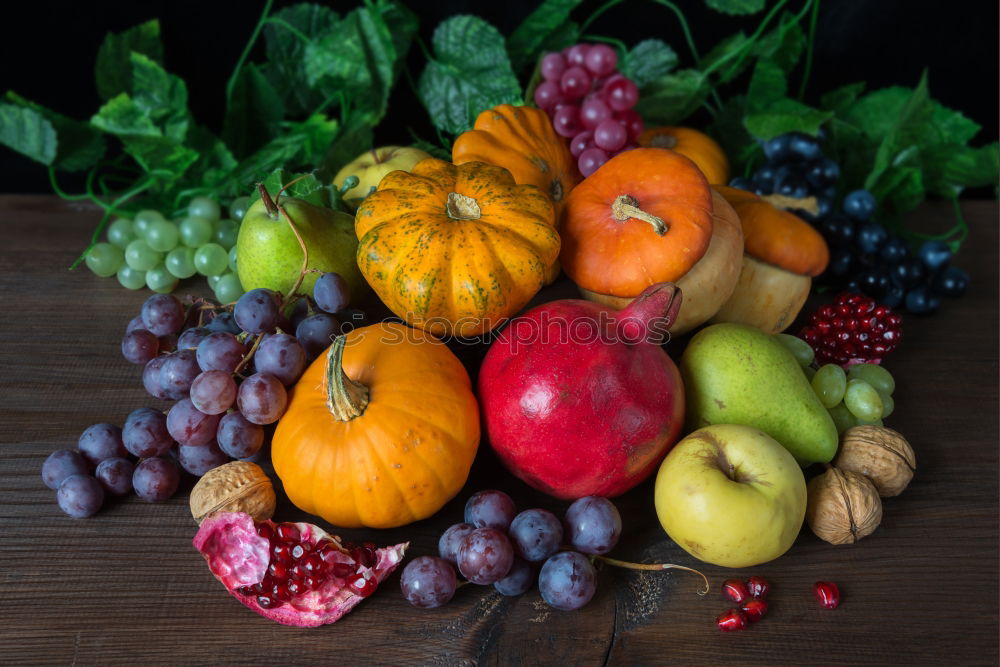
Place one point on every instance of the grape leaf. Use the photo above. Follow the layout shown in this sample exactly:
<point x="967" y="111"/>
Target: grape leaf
<point x="949" y="168"/>
<point x="736" y="7"/>
<point x="724" y="61"/>
<point x="215" y="165"/>
<point x="783" y="116"/>
<point x="840" y="99"/>
<point x="470" y="72"/>
<point x="528" y="39"/>
<point x="79" y="146"/>
<point x="287" y="67"/>
<point x="767" y="85"/>
<point x="253" y="114"/>
<point x="113" y="70"/>
<point x="672" y="98"/>
<point x="784" y="44"/>
<point x="402" y="24"/>
<point x="306" y="187"/>
<point x="28" y="132"/>
<point x="647" y="61"/>
<point x="296" y="147"/>
<point x="951" y="126"/>
<point x="905" y="129"/>
<point x="899" y="190"/>
<point x="161" y="96"/>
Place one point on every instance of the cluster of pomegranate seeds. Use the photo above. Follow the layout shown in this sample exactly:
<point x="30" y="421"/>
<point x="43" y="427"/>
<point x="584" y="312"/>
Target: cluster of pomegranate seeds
<point x="827" y="593"/>
<point x="298" y="566"/>
<point x="749" y="595"/>
<point x="853" y="329"/>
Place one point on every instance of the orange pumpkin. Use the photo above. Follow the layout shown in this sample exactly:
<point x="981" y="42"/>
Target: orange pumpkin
<point x="455" y="249"/>
<point x="644" y="217"/>
<point x="522" y="141"/>
<point x="701" y="148"/>
<point x="380" y="431"/>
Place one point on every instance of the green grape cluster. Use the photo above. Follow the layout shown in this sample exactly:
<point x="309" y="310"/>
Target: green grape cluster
<point x="860" y="395"/>
<point x="152" y="251"/>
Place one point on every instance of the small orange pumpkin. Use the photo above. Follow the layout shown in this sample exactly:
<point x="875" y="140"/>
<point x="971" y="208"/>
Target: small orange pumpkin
<point x="380" y="431"/>
<point x="522" y="141"/>
<point x="701" y="148"/>
<point x="644" y="217"/>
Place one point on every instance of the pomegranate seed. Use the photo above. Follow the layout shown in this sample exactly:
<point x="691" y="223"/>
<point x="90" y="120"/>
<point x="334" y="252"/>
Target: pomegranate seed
<point x="267" y="602"/>
<point x="297" y="572"/>
<point x="732" y="620"/>
<point x="266" y="531"/>
<point x="313" y="564"/>
<point x="827" y="593"/>
<point x="278" y="570"/>
<point x="342" y="570"/>
<point x="362" y="585"/>
<point x="363" y="555"/>
<point x="282" y="552"/>
<point x="329" y="554"/>
<point x="288" y="532"/>
<point x="267" y="583"/>
<point x="758" y="587"/>
<point x="280" y="591"/>
<point x="735" y="590"/>
<point x="298" y="551"/>
<point x="296" y="587"/>
<point x="246" y="590"/>
<point x="754" y="610"/>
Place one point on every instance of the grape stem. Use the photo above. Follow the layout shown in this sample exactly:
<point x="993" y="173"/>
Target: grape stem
<point x="249" y="355"/>
<point x="654" y="567"/>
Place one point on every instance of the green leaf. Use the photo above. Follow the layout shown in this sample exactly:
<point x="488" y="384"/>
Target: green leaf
<point x="79" y="146"/>
<point x="783" y="45"/>
<point x="951" y="127"/>
<point x="899" y="190"/>
<point x="287" y="67"/>
<point x="785" y="116"/>
<point x="951" y="167"/>
<point x="308" y="188"/>
<point x="470" y="72"/>
<point x="672" y="98"/>
<point x="527" y="41"/>
<point x="908" y="127"/>
<point x="724" y="61"/>
<point x="840" y="99"/>
<point x="300" y="145"/>
<point x="114" y="59"/>
<point x="736" y="7"/>
<point x="28" y="132"/>
<point x="402" y="24"/>
<point x="648" y="60"/>
<point x="215" y="165"/>
<point x="161" y="96"/>
<point x="254" y="113"/>
<point x="767" y="85"/>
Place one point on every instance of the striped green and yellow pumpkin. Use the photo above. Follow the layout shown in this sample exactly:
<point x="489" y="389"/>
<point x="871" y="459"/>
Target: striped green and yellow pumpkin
<point x="455" y="249"/>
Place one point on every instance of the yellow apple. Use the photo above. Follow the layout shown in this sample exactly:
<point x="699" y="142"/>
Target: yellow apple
<point x="372" y="165"/>
<point x="731" y="495"/>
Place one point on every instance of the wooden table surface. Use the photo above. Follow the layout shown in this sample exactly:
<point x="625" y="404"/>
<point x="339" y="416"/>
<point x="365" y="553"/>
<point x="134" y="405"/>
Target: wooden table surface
<point x="127" y="587"/>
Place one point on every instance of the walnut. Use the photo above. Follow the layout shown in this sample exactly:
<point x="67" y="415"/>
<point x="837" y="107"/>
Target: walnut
<point x="843" y="506"/>
<point x="880" y="454"/>
<point x="237" y="486"/>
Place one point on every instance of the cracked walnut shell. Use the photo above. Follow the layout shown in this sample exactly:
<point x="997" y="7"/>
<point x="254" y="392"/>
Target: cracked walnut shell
<point x="238" y="486"/>
<point x="880" y="454"/>
<point x="843" y="506"/>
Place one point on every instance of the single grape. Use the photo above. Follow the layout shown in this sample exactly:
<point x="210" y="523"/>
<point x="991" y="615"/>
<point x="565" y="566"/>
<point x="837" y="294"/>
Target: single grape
<point x="566" y="121"/>
<point x="211" y="259"/>
<point x="191" y="338"/>
<point x="143" y="220"/>
<point x="130" y="278"/>
<point x="262" y="398"/>
<point x="591" y="160"/>
<point x="156" y="479"/>
<point x="567" y="581"/>
<point x="952" y="282"/>
<point x="593" y="112"/>
<point x="451" y="540"/>
<point x="145" y="433"/>
<point x="576" y="55"/>
<point x="553" y="66"/>
<point x="220" y="351"/>
<point x="115" y="475"/>
<point x="163" y="314"/>
<point x="428" y="582"/>
<point x="888" y="405"/>
<point x="257" y="310"/>
<point x="621" y="94"/>
<point x="195" y="231"/>
<point x="601" y="60"/>
<point x="632" y="122"/>
<point x="61" y="464"/>
<point x="548" y="94"/>
<point x="232" y="259"/>
<point x="213" y="392"/>
<point x="282" y="356"/>
<point x="199" y="460"/>
<point x="859" y="204"/>
<point x="535" y="534"/>
<point x="213" y="281"/>
<point x="518" y="580"/>
<point x="490" y="509"/>
<point x="238" y="208"/>
<point x="104" y="259"/>
<point x="610" y="135"/>
<point x="581" y="142"/>
<point x="80" y="496"/>
<point x="225" y="233"/>
<point x="238" y="437"/>
<point x="485" y="556"/>
<point x="575" y="82"/>
<point x="316" y="332"/>
<point x="204" y="207"/>
<point x="151" y="379"/>
<point x="101" y="441"/>
<point x="135" y="323"/>
<point x="228" y="288"/>
<point x="178" y="372"/>
<point x="162" y="236"/>
<point x="139" y="346"/>
<point x="800" y="349"/>
<point x="331" y="293"/>
<point x="829" y="385"/>
<point x="120" y="233"/>
<point x="592" y="525"/>
<point x="180" y="262"/>
<point x="190" y="426"/>
<point x="139" y="256"/>
<point x="875" y="375"/>
<point x="863" y="400"/>
<point x="224" y="322"/>
<point x="159" y="280"/>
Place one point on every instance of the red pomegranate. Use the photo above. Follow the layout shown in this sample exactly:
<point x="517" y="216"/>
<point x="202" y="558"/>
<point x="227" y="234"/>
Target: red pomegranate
<point x="579" y="400"/>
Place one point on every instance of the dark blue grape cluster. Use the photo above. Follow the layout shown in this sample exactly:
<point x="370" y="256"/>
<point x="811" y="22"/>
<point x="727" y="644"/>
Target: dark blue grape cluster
<point x="864" y="256"/>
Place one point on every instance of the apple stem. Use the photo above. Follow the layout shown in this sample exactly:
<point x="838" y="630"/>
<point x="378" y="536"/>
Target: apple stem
<point x="654" y="566"/>
<point x="305" y="258"/>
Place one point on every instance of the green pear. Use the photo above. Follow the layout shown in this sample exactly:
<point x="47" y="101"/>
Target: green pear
<point x="737" y="374"/>
<point x="268" y="254"/>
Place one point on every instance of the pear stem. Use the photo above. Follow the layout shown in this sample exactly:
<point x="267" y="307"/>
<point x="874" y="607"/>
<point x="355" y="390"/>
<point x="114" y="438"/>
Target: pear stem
<point x="269" y="205"/>
<point x="655" y="566"/>
<point x="627" y="206"/>
<point x="345" y="398"/>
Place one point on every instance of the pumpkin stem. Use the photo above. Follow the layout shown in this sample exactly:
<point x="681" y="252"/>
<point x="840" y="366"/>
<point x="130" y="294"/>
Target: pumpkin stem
<point x="627" y="206"/>
<point x="462" y="207"/>
<point x="345" y="398"/>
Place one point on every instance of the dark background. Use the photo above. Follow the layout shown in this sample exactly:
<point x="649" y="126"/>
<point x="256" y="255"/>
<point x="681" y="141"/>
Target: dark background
<point x="49" y="48"/>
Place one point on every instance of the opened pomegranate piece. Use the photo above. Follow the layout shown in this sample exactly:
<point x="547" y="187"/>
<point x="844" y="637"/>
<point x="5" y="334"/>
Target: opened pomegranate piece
<point x="293" y="573"/>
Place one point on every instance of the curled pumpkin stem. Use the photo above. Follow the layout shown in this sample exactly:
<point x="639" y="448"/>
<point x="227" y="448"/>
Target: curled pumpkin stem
<point x="627" y="206"/>
<point x="654" y="566"/>
<point x="345" y="398"/>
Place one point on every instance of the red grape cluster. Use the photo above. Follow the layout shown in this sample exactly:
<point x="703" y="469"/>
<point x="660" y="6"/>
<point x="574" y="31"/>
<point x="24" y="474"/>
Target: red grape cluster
<point x="590" y="103"/>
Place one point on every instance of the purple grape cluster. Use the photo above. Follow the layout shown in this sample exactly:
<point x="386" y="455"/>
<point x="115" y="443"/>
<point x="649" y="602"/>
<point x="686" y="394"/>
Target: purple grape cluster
<point x="497" y="545"/>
